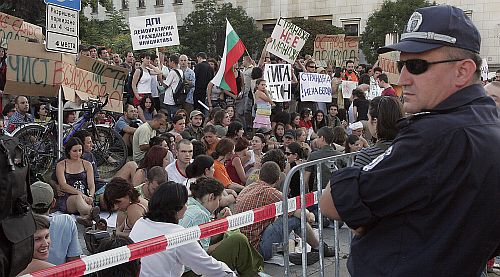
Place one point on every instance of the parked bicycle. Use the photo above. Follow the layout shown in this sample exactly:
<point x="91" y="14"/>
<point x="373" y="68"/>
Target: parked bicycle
<point x="40" y="141"/>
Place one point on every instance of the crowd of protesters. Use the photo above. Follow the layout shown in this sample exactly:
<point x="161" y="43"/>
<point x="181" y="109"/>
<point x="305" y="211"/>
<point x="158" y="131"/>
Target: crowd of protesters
<point x="210" y="154"/>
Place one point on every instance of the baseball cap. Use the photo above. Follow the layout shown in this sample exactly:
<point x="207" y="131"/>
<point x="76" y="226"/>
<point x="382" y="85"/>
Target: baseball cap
<point x="263" y="130"/>
<point x="42" y="194"/>
<point x="289" y="134"/>
<point x="433" y="27"/>
<point x="195" y="113"/>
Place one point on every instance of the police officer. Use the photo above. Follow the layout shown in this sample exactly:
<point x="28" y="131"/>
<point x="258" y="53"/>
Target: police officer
<point x="429" y="206"/>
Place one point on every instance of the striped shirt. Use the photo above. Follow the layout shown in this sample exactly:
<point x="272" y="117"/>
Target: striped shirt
<point x="367" y="155"/>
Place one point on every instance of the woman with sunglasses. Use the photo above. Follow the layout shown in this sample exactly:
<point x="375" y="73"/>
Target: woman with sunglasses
<point x="295" y="155"/>
<point x="122" y="197"/>
<point x="383" y="114"/>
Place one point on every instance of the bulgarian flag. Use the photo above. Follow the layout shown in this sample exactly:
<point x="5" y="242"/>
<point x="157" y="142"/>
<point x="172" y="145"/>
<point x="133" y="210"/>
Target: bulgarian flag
<point x="233" y="50"/>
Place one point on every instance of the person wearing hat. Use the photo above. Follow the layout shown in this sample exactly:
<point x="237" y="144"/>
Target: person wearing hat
<point x="429" y="205"/>
<point x="195" y="126"/>
<point x="64" y="246"/>
<point x="288" y="138"/>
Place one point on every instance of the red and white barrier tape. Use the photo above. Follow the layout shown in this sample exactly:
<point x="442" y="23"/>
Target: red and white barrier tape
<point x="144" y="248"/>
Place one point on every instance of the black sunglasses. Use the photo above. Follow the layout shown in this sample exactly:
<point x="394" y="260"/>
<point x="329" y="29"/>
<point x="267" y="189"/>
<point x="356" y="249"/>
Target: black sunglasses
<point x="418" y="66"/>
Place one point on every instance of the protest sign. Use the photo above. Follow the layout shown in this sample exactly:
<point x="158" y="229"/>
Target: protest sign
<point x="315" y="87"/>
<point x="153" y="31"/>
<point x="31" y="70"/>
<point x="279" y="81"/>
<point x="374" y="90"/>
<point x="484" y="70"/>
<point x="336" y="49"/>
<point x="13" y="28"/>
<point x="389" y="65"/>
<point x="347" y="88"/>
<point x="287" y="40"/>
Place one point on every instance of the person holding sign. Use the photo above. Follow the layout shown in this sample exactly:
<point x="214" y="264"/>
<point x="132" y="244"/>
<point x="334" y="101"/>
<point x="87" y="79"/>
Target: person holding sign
<point x="264" y="105"/>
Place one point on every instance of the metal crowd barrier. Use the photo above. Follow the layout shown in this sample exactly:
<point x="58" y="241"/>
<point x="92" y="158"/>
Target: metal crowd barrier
<point x="333" y="164"/>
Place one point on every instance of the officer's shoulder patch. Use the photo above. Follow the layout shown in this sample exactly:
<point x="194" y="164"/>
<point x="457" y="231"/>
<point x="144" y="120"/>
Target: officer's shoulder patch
<point x="377" y="160"/>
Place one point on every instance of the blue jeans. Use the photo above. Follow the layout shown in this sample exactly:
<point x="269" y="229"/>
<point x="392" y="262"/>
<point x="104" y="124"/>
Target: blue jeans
<point x="274" y="234"/>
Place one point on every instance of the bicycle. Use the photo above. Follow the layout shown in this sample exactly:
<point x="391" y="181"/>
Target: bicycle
<point x="40" y="141"/>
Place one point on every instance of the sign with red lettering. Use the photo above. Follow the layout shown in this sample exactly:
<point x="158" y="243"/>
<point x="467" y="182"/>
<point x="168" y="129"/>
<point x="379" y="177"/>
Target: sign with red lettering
<point x="336" y="49"/>
<point x="287" y="40"/>
<point x="13" y="28"/>
<point x="389" y="65"/>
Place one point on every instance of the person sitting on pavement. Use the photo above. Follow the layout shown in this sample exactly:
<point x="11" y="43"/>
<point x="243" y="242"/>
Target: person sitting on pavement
<point x="263" y="234"/>
<point x="232" y="247"/>
<point x="178" y="126"/>
<point x="140" y="141"/>
<point x="41" y="240"/>
<point x="210" y="138"/>
<point x="21" y="115"/>
<point x="166" y="208"/>
<point x="131" y="268"/>
<point x="234" y="165"/>
<point x="223" y="151"/>
<point x="156" y="156"/>
<point x="127" y="124"/>
<point x="176" y="171"/>
<point x="203" y="166"/>
<point x="75" y="179"/>
<point x="156" y="176"/>
<point x="65" y="246"/>
<point x="122" y="197"/>
<point x="195" y="126"/>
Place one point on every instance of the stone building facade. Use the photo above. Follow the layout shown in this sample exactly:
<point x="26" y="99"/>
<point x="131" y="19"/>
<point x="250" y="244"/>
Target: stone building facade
<point x="349" y="14"/>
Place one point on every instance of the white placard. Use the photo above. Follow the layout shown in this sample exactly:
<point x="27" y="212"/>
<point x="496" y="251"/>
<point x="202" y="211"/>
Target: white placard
<point x="279" y="81"/>
<point x="348" y="87"/>
<point x="484" y="70"/>
<point x="287" y="40"/>
<point x="315" y="87"/>
<point x="154" y="31"/>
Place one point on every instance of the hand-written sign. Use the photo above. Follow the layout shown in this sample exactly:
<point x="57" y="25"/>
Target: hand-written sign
<point x="154" y="31"/>
<point x="315" y="87"/>
<point x="484" y="70"/>
<point x="287" y="40"/>
<point x="336" y="49"/>
<point x="34" y="71"/>
<point x="13" y="28"/>
<point x="389" y="65"/>
<point x="347" y="88"/>
<point x="279" y="81"/>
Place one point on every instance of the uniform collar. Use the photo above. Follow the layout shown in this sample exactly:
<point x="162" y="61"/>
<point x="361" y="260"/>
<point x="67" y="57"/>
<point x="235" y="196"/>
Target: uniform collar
<point x="460" y="98"/>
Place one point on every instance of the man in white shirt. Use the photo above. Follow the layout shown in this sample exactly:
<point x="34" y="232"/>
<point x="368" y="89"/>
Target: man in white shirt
<point x="176" y="171"/>
<point x="173" y="79"/>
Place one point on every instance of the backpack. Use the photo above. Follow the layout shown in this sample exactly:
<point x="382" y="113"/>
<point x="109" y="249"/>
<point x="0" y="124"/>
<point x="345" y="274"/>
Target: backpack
<point x="182" y="89"/>
<point x="128" y="83"/>
<point x="17" y="225"/>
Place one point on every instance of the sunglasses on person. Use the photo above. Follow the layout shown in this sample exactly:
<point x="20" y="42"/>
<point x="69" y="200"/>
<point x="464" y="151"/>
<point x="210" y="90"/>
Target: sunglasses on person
<point x="288" y="153"/>
<point x="418" y="66"/>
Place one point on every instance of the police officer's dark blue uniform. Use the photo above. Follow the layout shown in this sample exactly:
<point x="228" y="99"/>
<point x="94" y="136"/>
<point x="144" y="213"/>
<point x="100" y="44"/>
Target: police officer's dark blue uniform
<point x="430" y="205"/>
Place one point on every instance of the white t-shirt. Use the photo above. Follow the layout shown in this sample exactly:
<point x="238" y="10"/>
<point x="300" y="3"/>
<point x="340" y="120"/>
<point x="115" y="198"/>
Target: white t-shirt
<point x="144" y="84"/>
<point x="174" y="174"/>
<point x="171" y="262"/>
<point x="172" y="81"/>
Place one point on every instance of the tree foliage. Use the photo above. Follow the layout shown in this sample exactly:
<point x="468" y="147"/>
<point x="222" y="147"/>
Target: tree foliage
<point x="116" y="34"/>
<point x="390" y="18"/>
<point x="315" y="27"/>
<point x="204" y="29"/>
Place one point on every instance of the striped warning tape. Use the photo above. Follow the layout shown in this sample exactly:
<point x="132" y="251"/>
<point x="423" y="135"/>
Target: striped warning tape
<point x="110" y="258"/>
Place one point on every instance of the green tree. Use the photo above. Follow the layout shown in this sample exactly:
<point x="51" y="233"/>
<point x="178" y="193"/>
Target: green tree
<point x="390" y="18"/>
<point x="204" y="29"/>
<point x="115" y="34"/>
<point x="315" y="27"/>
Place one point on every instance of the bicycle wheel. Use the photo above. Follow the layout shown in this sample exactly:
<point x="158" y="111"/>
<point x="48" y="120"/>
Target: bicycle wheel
<point x="39" y="147"/>
<point x="109" y="149"/>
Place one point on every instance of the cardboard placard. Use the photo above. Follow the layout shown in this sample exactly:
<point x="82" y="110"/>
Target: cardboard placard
<point x="154" y="31"/>
<point x="374" y="90"/>
<point x="315" y="87"/>
<point x="279" y="81"/>
<point x="13" y="28"/>
<point x="348" y="87"/>
<point x="336" y="49"/>
<point x="484" y="70"/>
<point x="389" y="65"/>
<point x="31" y="70"/>
<point x="287" y="40"/>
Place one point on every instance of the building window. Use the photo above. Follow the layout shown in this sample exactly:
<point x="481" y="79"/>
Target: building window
<point x="351" y="26"/>
<point x="468" y="13"/>
<point x="124" y="4"/>
<point x="177" y="1"/>
<point x="142" y="4"/>
<point x="159" y="3"/>
<point x="268" y="28"/>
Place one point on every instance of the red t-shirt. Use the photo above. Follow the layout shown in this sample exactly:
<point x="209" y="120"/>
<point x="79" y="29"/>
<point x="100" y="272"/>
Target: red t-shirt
<point x="388" y="92"/>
